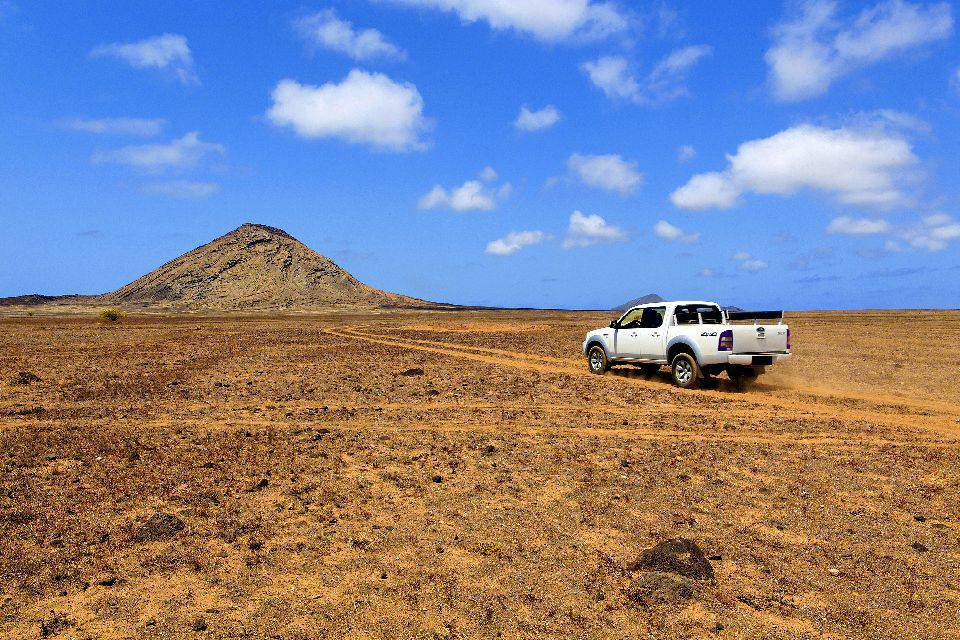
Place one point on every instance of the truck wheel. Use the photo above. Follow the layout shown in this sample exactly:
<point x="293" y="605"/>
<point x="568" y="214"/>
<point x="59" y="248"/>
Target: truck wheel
<point x="597" y="359"/>
<point x="686" y="373"/>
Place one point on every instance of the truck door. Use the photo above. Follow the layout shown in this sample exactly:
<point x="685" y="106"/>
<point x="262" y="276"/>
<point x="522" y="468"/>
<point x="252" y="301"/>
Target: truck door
<point x="627" y="341"/>
<point x="652" y="334"/>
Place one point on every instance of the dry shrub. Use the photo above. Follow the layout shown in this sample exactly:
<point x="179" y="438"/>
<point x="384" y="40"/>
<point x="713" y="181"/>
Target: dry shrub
<point x="112" y="315"/>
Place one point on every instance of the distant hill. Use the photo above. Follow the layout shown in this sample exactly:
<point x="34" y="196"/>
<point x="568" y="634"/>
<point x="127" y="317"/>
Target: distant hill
<point x="251" y="268"/>
<point x="647" y="299"/>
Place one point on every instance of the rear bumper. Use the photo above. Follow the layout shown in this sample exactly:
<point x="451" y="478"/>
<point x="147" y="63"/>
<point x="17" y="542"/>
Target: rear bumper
<point x="758" y="359"/>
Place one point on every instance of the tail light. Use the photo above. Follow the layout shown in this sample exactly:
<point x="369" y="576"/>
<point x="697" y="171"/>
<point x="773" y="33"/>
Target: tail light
<point x="788" y="338"/>
<point x="726" y="341"/>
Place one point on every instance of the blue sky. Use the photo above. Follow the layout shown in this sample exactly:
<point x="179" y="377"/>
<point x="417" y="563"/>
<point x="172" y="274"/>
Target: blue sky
<point x="564" y="153"/>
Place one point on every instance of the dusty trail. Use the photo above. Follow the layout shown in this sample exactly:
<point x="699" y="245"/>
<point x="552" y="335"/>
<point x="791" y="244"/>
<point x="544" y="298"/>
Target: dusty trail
<point x="942" y="419"/>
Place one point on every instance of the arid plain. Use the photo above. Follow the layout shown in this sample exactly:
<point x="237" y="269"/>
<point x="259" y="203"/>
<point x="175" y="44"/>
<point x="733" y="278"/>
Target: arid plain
<point x="460" y="474"/>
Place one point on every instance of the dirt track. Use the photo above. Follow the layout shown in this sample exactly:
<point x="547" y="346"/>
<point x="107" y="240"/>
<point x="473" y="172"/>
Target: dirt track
<point x="321" y="492"/>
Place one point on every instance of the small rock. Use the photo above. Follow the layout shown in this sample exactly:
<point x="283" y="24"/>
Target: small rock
<point x="920" y="518"/>
<point x="261" y="484"/>
<point x="198" y="624"/>
<point x="106" y="580"/>
<point x="438" y="479"/>
<point x="833" y="572"/>
<point x="25" y="377"/>
<point x="919" y="547"/>
<point x="255" y="545"/>
<point x="679" y="556"/>
<point x="159" y="526"/>
<point x="413" y="371"/>
<point x="624" y="463"/>
<point x="489" y="450"/>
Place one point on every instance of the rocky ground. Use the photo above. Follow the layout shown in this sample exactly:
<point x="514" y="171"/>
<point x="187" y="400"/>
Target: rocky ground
<point x="462" y="475"/>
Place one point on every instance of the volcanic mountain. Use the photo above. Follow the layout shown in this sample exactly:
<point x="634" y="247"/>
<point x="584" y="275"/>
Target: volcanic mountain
<point x="255" y="267"/>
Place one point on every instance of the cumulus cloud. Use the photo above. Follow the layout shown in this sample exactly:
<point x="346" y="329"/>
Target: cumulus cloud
<point x="609" y="172"/>
<point x="537" y="120"/>
<point x="547" y="20"/>
<point x="168" y="52"/>
<point x="366" y="108"/>
<point x="706" y="191"/>
<point x="812" y="51"/>
<point x="669" y="232"/>
<point x="183" y="189"/>
<point x="857" y="226"/>
<point x="324" y="29"/>
<point x="182" y="153"/>
<point x="472" y="195"/>
<point x="514" y="241"/>
<point x="686" y="153"/>
<point x="666" y="81"/>
<point x="587" y="230"/>
<point x="861" y="167"/>
<point x="933" y="232"/>
<point x="142" y="127"/>
<point x="748" y="263"/>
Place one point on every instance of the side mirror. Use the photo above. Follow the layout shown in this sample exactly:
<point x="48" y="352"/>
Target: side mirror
<point x="614" y="324"/>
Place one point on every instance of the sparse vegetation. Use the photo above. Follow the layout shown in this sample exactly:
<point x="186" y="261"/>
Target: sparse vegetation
<point x="112" y="315"/>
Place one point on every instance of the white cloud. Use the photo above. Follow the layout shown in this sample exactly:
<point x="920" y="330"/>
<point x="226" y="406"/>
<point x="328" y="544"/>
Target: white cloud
<point x="753" y="265"/>
<point x="817" y="48"/>
<point x="472" y="195"/>
<point x="610" y="172"/>
<point x="613" y="75"/>
<point x="585" y="231"/>
<point x="184" y="189"/>
<point x="933" y="233"/>
<point x="686" y="153"/>
<point x="366" y="108"/>
<point x="857" y="226"/>
<point x="181" y="153"/>
<point x="168" y="52"/>
<point x="861" y="167"/>
<point x="120" y="126"/>
<point x="748" y="262"/>
<point x="667" y="231"/>
<point x="537" y="120"/>
<point x="514" y="241"/>
<point x="547" y="20"/>
<point x="706" y="191"/>
<point x="325" y="29"/>
<point x="707" y="273"/>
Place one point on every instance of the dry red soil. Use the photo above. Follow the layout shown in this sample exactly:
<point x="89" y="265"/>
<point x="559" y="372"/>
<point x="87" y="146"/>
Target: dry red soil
<point x="459" y="475"/>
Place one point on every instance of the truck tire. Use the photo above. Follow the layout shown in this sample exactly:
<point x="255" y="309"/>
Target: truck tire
<point x="597" y="359"/>
<point x="685" y="371"/>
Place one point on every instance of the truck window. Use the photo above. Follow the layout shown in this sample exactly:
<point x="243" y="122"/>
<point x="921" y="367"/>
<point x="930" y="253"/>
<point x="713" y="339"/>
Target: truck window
<point x="653" y="317"/>
<point x="698" y="314"/>
<point x="631" y="319"/>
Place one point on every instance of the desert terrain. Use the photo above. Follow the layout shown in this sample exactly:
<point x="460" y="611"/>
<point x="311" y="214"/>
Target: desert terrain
<point x="460" y="474"/>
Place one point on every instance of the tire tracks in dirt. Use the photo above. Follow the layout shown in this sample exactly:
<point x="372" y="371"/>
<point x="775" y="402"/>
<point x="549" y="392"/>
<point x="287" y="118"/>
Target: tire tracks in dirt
<point x="896" y="416"/>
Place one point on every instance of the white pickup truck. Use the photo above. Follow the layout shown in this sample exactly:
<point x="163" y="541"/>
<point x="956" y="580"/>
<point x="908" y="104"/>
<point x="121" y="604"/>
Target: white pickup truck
<point x="696" y="339"/>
